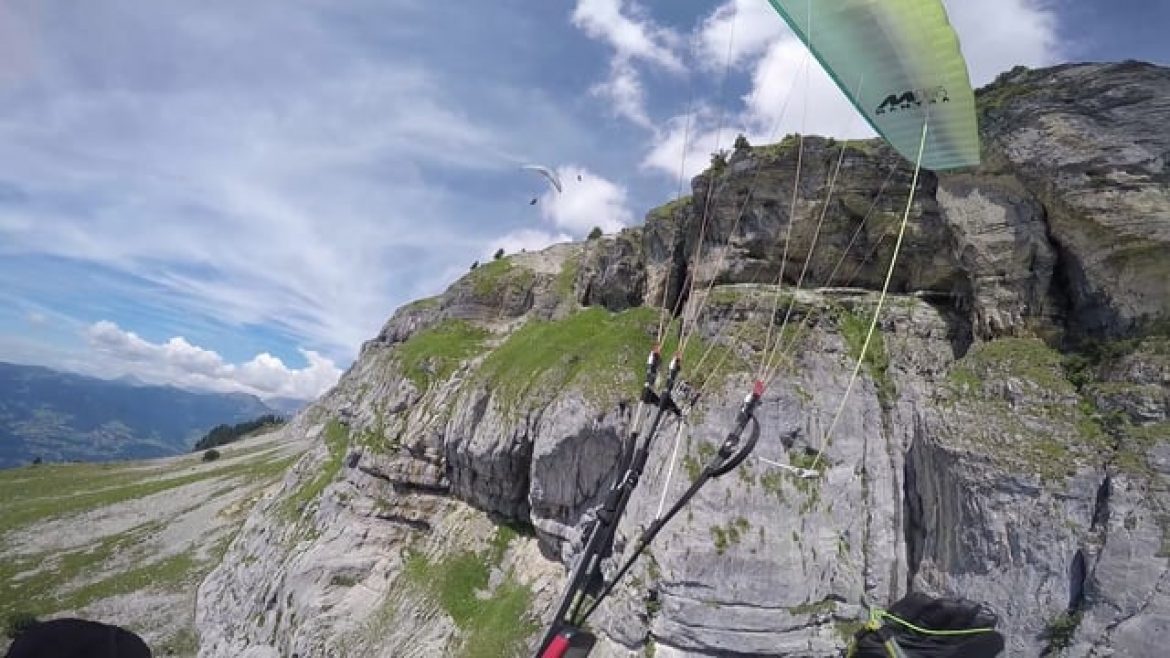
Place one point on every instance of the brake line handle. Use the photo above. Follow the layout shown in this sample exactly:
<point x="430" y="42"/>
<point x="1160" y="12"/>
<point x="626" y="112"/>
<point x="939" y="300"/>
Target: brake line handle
<point x="652" y="362"/>
<point x="731" y="453"/>
<point x="570" y="642"/>
<point x="557" y="648"/>
<point x="750" y="403"/>
<point x="673" y="370"/>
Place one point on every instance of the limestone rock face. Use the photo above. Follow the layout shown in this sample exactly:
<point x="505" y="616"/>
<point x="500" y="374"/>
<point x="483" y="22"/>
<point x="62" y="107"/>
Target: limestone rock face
<point x="998" y="439"/>
<point x="1000" y="237"/>
<point x="1091" y="142"/>
<point x="613" y="273"/>
<point x="755" y="225"/>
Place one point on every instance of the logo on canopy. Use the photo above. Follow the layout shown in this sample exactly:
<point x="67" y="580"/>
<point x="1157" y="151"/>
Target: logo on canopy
<point x="912" y="98"/>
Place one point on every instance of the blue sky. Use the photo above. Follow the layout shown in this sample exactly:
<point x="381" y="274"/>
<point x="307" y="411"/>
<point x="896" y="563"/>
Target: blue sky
<point x="234" y="195"/>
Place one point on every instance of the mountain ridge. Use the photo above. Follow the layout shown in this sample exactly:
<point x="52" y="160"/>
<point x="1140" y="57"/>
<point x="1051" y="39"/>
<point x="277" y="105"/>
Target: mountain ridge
<point x="61" y="416"/>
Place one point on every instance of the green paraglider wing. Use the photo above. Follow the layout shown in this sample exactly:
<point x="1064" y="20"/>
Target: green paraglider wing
<point x="899" y="62"/>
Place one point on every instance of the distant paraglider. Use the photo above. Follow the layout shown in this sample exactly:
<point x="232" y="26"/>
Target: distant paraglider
<point x="549" y="175"/>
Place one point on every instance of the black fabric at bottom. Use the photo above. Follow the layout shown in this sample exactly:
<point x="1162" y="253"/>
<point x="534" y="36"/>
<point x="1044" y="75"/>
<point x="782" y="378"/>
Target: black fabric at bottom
<point x="77" y="638"/>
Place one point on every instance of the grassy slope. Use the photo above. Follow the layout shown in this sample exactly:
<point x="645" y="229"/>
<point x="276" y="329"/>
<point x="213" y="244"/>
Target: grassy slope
<point x="128" y="543"/>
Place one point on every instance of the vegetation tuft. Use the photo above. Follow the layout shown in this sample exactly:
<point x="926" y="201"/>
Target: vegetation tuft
<point x="567" y="277"/>
<point x="336" y="439"/>
<point x="489" y="279"/>
<point x="1061" y="629"/>
<point x="495" y="622"/>
<point x="853" y="329"/>
<point x="18" y="622"/>
<point x="668" y="210"/>
<point x="593" y="350"/>
<point x="433" y="354"/>
<point x="729" y="535"/>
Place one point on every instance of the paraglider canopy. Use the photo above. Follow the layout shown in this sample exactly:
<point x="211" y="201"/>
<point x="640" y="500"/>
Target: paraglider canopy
<point x="899" y="63"/>
<point x="548" y="174"/>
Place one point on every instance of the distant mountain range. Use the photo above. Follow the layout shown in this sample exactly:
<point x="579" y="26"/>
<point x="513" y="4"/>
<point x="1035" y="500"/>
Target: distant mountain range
<point x="60" y="416"/>
<point x="287" y="407"/>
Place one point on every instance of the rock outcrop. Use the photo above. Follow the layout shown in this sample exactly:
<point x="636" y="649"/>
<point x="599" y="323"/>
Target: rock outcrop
<point x="1006" y="440"/>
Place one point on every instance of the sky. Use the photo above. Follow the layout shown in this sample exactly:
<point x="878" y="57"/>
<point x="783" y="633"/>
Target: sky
<point x="235" y="195"/>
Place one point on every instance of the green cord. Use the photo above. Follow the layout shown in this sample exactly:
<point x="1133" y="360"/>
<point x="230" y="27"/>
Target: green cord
<point x="964" y="631"/>
<point x="892" y="648"/>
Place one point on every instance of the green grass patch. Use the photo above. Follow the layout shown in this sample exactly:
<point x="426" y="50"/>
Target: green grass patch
<point x="454" y="582"/>
<point x="671" y="208"/>
<point x="336" y="439"/>
<point x="489" y="279"/>
<point x="808" y="460"/>
<point x="963" y="380"/>
<point x="1061" y="629"/>
<point x="996" y="95"/>
<point x="1045" y="428"/>
<point x="47" y="582"/>
<point x="778" y="150"/>
<point x="810" y="487"/>
<point x="185" y="642"/>
<point x="433" y="354"/>
<point x="164" y="575"/>
<point x="867" y="147"/>
<point x="846" y="629"/>
<point x="853" y="329"/>
<point x="817" y="608"/>
<point x="726" y="536"/>
<point x="567" y="277"/>
<point x="113" y="565"/>
<point x="594" y="348"/>
<point x="18" y="622"/>
<point x="1134" y="443"/>
<point x="424" y="303"/>
<point x="374" y="437"/>
<point x="494" y="625"/>
<point x="595" y="351"/>
<point x="71" y="489"/>
<point x="693" y="464"/>
<point x="61" y="481"/>
<point x="1028" y="358"/>
<point x="772" y="480"/>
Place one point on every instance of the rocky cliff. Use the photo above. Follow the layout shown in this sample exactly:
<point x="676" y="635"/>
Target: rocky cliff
<point x="1007" y="441"/>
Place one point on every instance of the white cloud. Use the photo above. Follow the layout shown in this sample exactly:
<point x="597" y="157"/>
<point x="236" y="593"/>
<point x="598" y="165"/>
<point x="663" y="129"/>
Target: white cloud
<point x="687" y="144"/>
<point x="736" y="31"/>
<point x="179" y="363"/>
<point x="632" y="35"/>
<point x="791" y="93"/>
<point x="587" y="200"/>
<point x="996" y="35"/>
<point x="302" y="190"/>
<point x="36" y="318"/>
<point x="625" y="93"/>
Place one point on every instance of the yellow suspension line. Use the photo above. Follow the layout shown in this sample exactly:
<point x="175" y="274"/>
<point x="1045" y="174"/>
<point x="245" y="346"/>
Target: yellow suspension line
<point x="881" y="298"/>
